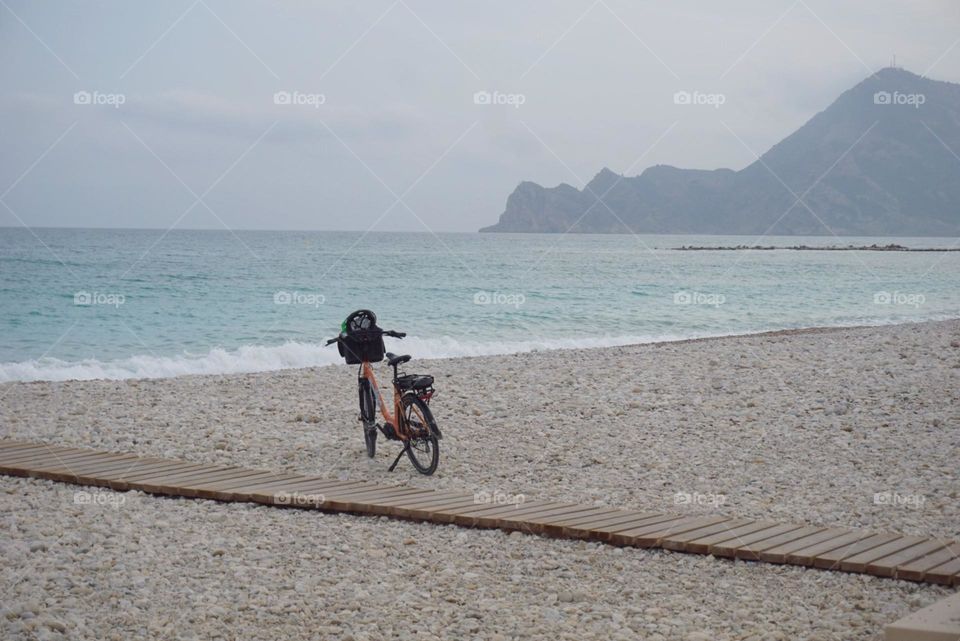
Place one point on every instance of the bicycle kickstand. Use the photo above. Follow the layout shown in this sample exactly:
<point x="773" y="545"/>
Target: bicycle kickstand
<point x="406" y="446"/>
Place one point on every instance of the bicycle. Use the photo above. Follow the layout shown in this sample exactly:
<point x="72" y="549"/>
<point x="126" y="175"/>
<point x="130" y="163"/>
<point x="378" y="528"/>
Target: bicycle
<point x="361" y="342"/>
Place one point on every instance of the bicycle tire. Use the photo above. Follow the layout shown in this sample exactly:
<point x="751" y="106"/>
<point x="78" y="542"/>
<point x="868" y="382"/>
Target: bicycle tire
<point x="423" y="447"/>
<point x="368" y="410"/>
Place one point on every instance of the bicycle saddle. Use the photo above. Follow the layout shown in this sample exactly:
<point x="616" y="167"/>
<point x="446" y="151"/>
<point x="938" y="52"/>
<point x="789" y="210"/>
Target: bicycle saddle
<point x="393" y="359"/>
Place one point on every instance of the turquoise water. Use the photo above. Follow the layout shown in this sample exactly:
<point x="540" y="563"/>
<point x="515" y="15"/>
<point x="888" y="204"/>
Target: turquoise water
<point x="217" y="301"/>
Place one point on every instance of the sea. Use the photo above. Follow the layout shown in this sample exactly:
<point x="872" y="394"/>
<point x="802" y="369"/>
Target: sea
<point x="123" y="303"/>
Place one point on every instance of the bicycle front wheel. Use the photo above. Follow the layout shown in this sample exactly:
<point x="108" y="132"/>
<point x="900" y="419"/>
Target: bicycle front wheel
<point x="368" y="409"/>
<point x="423" y="447"/>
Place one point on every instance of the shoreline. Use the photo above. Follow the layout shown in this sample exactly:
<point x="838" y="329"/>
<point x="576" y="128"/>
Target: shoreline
<point x="168" y="361"/>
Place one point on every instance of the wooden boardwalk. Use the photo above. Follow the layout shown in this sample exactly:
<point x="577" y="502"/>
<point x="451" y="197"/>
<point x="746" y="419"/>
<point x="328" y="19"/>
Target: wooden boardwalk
<point x="914" y="558"/>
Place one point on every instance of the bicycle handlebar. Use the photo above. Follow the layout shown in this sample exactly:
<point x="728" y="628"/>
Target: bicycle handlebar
<point x="384" y="332"/>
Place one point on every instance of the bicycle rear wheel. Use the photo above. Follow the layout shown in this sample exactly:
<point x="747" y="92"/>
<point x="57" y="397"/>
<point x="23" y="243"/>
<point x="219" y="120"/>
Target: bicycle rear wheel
<point x="423" y="447"/>
<point x="368" y="409"/>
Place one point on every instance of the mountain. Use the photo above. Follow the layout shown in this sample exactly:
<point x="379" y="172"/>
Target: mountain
<point x="879" y="161"/>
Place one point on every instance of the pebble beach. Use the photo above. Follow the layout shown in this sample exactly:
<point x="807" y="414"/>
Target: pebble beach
<point x="856" y="427"/>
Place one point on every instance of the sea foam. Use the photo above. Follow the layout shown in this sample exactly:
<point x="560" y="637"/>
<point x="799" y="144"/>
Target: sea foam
<point x="289" y="355"/>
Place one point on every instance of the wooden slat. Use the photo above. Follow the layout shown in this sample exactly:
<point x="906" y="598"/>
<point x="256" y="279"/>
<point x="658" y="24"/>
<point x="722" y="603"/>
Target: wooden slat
<point x="528" y="521"/>
<point x="181" y="484"/>
<point x="146" y="464"/>
<point x="730" y="547"/>
<point x="224" y="490"/>
<point x="437" y="513"/>
<point x="437" y="496"/>
<point x="629" y="535"/>
<point x="598" y="529"/>
<point x="127" y="478"/>
<point x="680" y="541"/>
<point x="859" y="562"/>
<point x="946" y="573"/>
<point x="375" y="504"/>
<point x="199" y="486"/>
<point x="888" y="565"/>
<point x="702" y="545"/>
<point x="430" y="507"/>
<point x="358" y="496"/>
<point x="26" y="451"/>
<point x="122" y="464"/>
<point x="917" y="569"/>
<point x="146" y="473"/>
<point x="35" y="460"/>
<point x="121" y="471"/>
<point x="555" y="515"/>
<point x="604" y="513"/>
<point x="66" y="469"/>
<point x="92" y="464"/>
<point x="45" y="450"/>
<point x="809" y="554"/>
<point x="629" y="518"/>
<point x="779" y="553"/>
<point x="440" y="497"/>
<point x="606" y="532"/>
<point x="419" y="508"/>
<point x="654" y="539"/>
<point x="21" y="449"/>
<point x="831" y="560"/>
<point x="357" y="501"/>
<point x="181" y="475"/>
<point x="473" y="514"/>
<point x="753" y="551"/>
<point x="557" y="526"/>
<point x="489" y="509"/>
<point x="120" y="477"/>
<point x="93" y="472"/>
<point x="915" y="558"/>
<point x="348" y="491"/>
<point x="259" y="488"/>
<point x="384" y="502"/>
<point x="358" y="493"/>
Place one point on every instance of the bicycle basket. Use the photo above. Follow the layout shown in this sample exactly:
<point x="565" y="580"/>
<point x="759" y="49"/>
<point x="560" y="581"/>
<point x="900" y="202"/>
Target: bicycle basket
<point x="361" y="339"/>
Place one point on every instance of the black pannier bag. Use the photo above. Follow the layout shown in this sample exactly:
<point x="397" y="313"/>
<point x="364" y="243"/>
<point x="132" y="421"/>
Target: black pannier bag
<point x="361" y="339"/>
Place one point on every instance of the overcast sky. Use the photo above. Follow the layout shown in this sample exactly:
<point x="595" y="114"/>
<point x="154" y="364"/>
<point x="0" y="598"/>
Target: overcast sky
<point x="389" y="133"/>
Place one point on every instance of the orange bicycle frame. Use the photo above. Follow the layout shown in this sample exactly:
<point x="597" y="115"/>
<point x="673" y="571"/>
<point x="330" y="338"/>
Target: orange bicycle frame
<point x="401" y="430"/>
